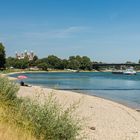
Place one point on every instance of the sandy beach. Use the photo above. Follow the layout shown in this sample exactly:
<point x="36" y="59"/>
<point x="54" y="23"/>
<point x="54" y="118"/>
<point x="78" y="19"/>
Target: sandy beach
<point x="102" y="119"/>
<point x="6" y="75"/>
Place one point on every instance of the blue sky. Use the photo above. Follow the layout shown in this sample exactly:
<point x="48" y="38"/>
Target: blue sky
<point x="104" y="30"/>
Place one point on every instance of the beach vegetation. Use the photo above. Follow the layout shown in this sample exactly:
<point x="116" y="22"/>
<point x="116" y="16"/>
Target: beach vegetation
<point x="42" y="121"/>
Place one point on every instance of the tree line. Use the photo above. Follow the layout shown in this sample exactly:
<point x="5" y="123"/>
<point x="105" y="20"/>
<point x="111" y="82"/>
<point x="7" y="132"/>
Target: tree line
<point x="50" y="62"/>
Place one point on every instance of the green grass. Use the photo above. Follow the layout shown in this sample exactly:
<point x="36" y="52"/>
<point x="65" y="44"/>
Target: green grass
<point x="46" y="121"/>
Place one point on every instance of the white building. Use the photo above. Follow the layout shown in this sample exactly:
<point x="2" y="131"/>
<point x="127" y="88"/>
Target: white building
<point x="29" y="55"/>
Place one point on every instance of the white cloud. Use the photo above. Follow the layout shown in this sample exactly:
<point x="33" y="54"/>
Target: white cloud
<point x="58" y="33"/>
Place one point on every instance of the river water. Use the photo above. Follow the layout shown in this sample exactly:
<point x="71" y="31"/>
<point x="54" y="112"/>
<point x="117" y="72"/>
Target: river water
<point x="124" y="89"/>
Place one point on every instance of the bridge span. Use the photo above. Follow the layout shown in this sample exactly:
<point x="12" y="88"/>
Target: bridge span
<point x="116" y="64"/>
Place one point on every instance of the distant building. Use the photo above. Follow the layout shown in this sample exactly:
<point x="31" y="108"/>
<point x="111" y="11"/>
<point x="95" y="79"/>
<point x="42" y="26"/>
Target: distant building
<point x="29" y="55"/>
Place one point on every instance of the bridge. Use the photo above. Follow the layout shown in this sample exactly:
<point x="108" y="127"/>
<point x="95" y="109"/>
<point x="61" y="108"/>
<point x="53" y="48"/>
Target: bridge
<point x="97" y="65"/>
<point x="116" y="64"/>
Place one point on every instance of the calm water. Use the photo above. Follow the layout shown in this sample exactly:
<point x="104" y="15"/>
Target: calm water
<point x="124" y="89"/>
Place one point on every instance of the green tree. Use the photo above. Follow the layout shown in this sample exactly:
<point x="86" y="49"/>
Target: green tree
<point x="86" y="64"/>
<point x="78" y="62"/>
<point x="74" y="64"/>
<point x="71" y="58"/>
<point x="65" y="63"/>
<point x="16" y="63"/>
<point x="54" y="62"/>
<point x="35" y="58"/>
<point x="129" y="62"/>
<point x="79" y="58"/>
<point x="21" y="64"/>
<point x="33" y="62"/>
<point x="43" y="66"/>
<point x="2" y="56"/>
<point x="10" y="62"/>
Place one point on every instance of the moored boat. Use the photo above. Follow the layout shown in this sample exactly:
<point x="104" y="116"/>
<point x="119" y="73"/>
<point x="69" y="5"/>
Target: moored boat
<point x="117" y="72"/>
<point x="130" y="71"/>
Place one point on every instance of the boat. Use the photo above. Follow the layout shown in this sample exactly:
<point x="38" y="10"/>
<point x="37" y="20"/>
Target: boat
<point x="71" y="70"/>
<point x="130" y="71"/>
<point x="117" y="72"/>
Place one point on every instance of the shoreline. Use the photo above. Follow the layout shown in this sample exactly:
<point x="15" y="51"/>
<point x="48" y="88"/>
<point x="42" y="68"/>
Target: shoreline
<point x="108" y="117"/>
<point x="87" y="94"/>
<point x="57" y="71"/>
<point x="118" y="102"/>
<point x="132" y="106"/>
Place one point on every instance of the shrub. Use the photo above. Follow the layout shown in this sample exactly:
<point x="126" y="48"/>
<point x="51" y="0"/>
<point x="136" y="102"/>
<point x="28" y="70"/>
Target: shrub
<point x="8" y="92"/>
<point x="46" y="121"/>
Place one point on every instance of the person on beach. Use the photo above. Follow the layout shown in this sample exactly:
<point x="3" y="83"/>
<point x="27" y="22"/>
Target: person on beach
<point x="23" y="84"/>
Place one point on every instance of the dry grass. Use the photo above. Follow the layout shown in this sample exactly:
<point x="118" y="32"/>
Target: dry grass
<point x="8" y="132"/>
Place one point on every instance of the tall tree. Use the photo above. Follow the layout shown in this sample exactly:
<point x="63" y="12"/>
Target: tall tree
<point x="2" y="56"/>
<point x="10" y="62"/>
<point x="86" y="63"/>
<point x="53" y="62"/>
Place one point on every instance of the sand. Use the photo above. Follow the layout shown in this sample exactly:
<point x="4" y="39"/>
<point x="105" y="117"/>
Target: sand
<point x="102" y="119"/>
<point x="6" y="75"/>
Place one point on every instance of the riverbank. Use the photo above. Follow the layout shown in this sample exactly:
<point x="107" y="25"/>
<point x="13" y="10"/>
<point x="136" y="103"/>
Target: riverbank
<point x="103" y="119"/>
<point x="13" y="71"/>
<point x="6" y="75"/>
